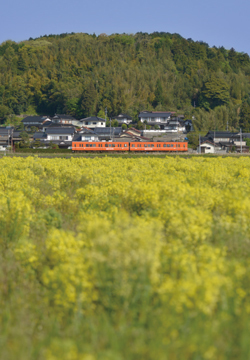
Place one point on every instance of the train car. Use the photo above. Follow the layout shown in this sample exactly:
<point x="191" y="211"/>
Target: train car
<point x="99" y="146"/>
<point x="160" y="146"/>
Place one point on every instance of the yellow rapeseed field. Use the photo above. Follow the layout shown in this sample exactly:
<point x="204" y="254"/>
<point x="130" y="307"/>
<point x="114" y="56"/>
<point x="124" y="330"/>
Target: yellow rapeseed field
<point x="119" y="259"/>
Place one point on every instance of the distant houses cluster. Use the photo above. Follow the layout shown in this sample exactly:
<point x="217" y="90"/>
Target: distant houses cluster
<point x="62" y="129"/>
<point x="217" y="141"/>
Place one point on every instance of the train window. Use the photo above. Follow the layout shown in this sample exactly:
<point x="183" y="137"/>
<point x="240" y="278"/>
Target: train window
<point x="110" y="145"/>
<point x="152" y="145"/>
<point x="172" y="145"/>
<point x="133" y="145"/>
<point x="90" y="145"/>
<point x="125" y="145"/>
<point x="94" y="145"/>
<point x="164" y="145"/>
<point x="113" y="145"/>
<point x="145" y="145"/>
<point x="75" y="145"/>
<point x="106" y="145"/>
<point x="87" y="145"/>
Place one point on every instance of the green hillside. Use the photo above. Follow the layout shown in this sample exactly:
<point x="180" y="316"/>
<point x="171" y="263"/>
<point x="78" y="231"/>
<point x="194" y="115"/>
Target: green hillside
<point x="81" y="74"/>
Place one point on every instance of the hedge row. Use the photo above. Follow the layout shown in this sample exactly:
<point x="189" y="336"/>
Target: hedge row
<point x="43" y="151"/>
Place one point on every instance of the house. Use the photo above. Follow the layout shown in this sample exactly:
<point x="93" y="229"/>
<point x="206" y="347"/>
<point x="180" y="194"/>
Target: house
<point x="36" y="121"/>
<point x="16" y="136"/>
<point x="175" y="125"/>
<point x="86" y="134"/>
<point x="65" y="119"/>
<point x="49" y="125"/>
<point x="152" y="118"/>
<point x="219" y="136"/>
<point x="132" y="131"/>
<point x="93" y="122"/>
<point x="133" y="134"/>
<point x="123" y="119"/>
<point x="107" y="133"/>
<point x="6" y="135"/>
<point x="61" y="136"/>
<point x="207" y="147"/>
<point x="40" y="135"/>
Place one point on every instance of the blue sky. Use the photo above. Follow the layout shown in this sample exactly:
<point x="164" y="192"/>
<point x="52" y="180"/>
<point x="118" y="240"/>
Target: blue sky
<point x="217" y="22"/>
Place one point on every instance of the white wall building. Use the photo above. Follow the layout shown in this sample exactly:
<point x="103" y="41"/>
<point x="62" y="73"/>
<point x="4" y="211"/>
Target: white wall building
<point x="60" y="134"/>
<point x="206" y="147"/>
<point x="93" y="122"/>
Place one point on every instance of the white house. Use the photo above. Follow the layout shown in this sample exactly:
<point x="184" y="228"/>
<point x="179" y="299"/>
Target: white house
<point x="175" y="125"/>
<point x="60" y="134"/>
<point x="206" y="147"/>
<point x="93" y="122"/>
<point x="155" y="117"/>
<point x="86" y="135"/>
<point x="65" y="119"/>
<point x="123" y="119"/>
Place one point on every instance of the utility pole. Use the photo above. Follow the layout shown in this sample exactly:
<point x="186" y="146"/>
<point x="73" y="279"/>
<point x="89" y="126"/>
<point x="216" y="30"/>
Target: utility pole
<point x="240" y="141"/>
<point x="214" y="141"/>
<point x="110" y="128"/>
<point x="105" y="115"/>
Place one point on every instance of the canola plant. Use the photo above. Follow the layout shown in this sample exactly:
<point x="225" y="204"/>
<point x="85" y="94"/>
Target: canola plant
<point x="124" y="258"/>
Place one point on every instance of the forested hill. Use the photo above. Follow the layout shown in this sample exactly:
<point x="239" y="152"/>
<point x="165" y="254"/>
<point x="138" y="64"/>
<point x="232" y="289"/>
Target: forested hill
<point x="81" y="74"/>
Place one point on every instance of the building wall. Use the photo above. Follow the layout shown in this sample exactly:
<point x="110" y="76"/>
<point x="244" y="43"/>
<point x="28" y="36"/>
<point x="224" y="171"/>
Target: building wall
<point x="155" y="119"/>
<point x="89" y="138"/>
<point x="205" y="149"/>
<point x="52" y="137"/>
<point x="93" y="124"/>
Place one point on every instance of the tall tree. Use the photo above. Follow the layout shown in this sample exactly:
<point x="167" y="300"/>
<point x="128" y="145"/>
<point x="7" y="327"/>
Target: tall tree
<point x="158" y="94"/>
<point x="245" y="116"/>
<point x="88" y="100"/>
<point x="216" y="92"/>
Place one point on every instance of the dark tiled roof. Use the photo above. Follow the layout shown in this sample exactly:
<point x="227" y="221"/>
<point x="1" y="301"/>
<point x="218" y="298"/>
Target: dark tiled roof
<point x="16" y="134"/>
<point x="37" y="119"/>
<point x="106" y="130"/>
<point x="63" y="116"/>
<point x="77" y="137"/>
<point x="154" y="114"/>
<point x="56" y="125"/>
<point x="220" y="134"/>
<point x="5" y="131"/>
<point x="39" y="135"/>
<point x="85" y="130"/>
<point x="60" y="130"/>
<point x="93" y="118"/>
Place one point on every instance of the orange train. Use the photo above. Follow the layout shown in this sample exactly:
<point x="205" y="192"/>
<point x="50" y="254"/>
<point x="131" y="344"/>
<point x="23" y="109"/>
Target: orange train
<point x="142" y="146"/>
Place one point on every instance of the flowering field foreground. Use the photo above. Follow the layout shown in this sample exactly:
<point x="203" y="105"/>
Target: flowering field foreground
<point x="124" y="259"/>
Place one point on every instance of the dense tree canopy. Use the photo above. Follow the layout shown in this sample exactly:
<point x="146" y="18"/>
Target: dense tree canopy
<point x="81" y="74"/>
